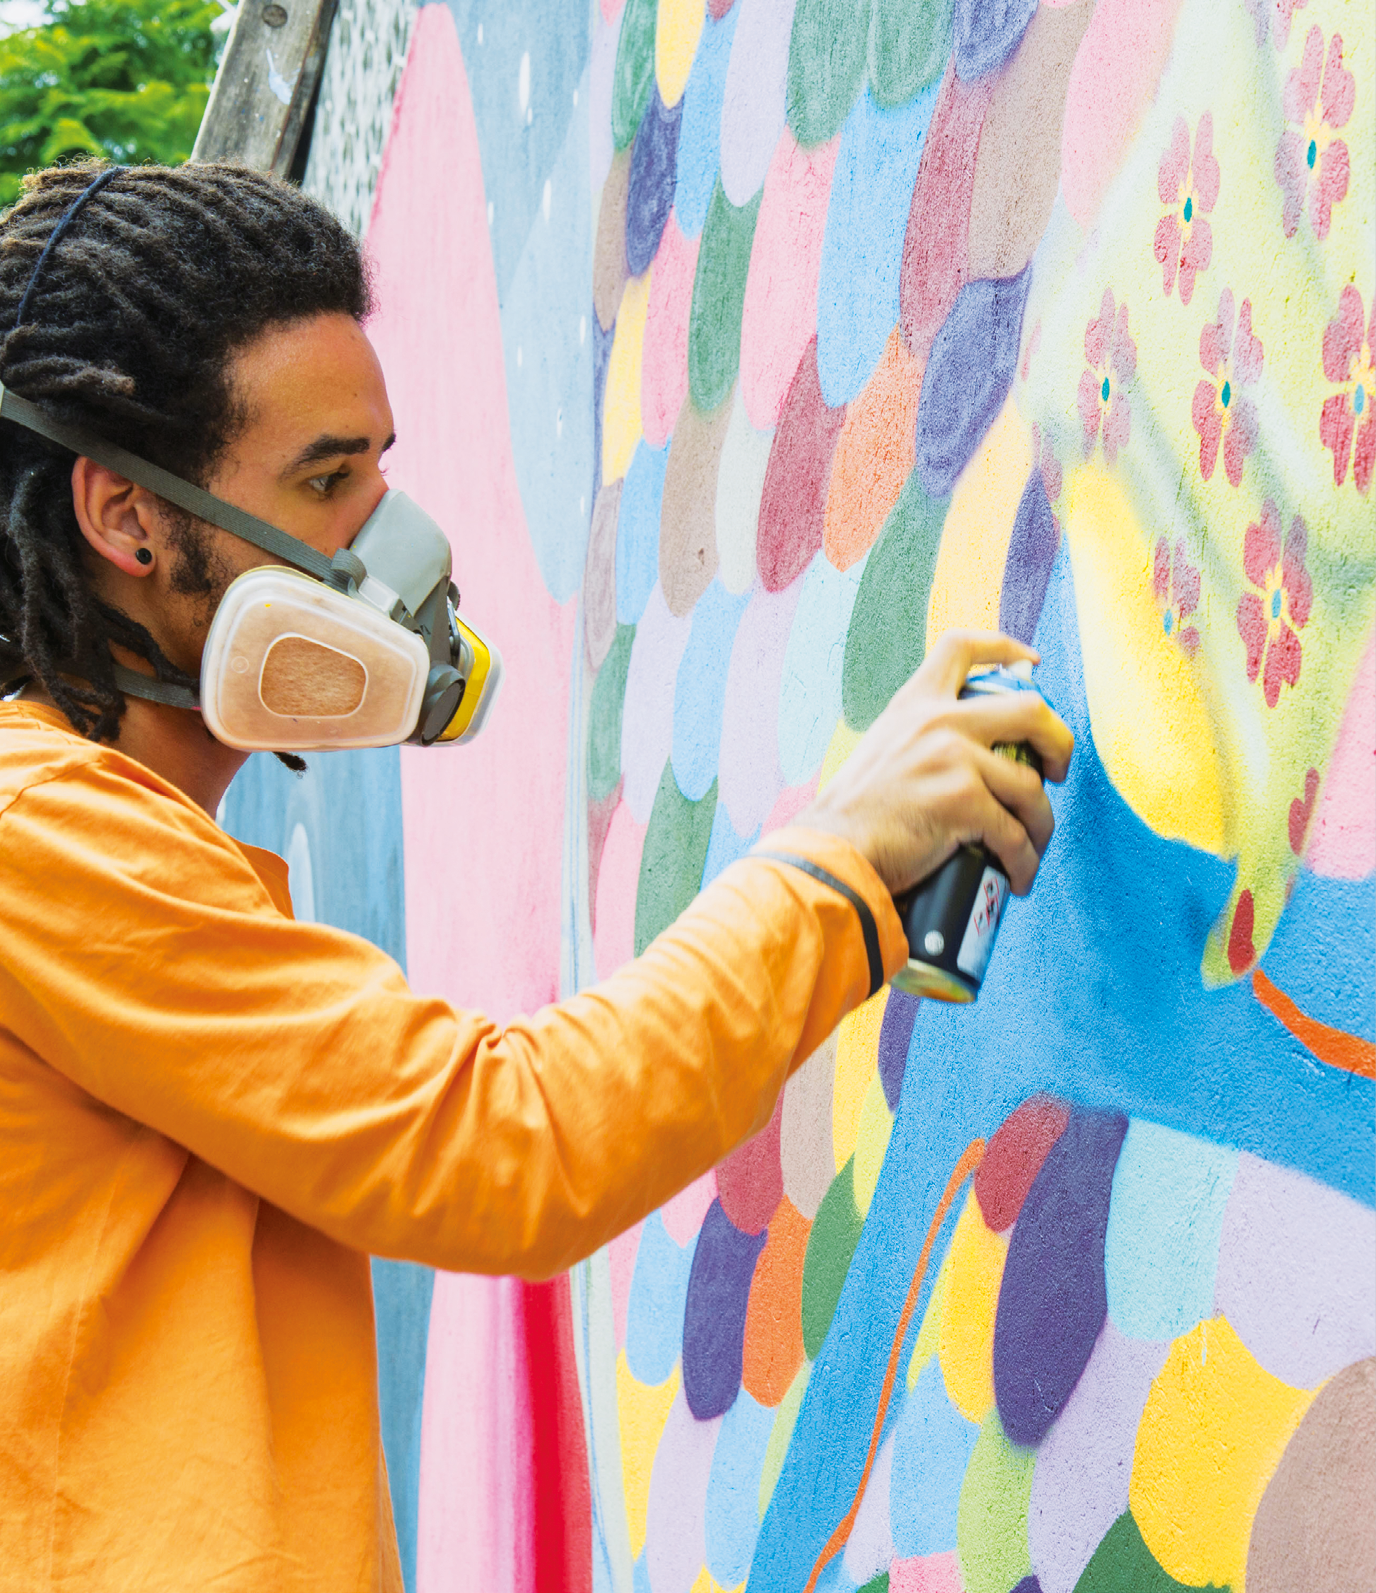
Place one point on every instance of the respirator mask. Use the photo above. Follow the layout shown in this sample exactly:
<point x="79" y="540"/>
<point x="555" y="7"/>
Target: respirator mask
<point x="362" y="650"/>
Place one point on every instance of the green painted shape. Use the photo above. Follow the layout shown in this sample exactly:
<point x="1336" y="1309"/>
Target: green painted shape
<point x="714" y="329"/>
<point x="910" y="43"/>
<point x="1124" y="1564"/>
<point x="671" y="864"/>
<point x="634" y="73"/>
<point x="991" y="1523"/>
<point x="826" y="65"/>
<point x="781" y="1435"/>
<point x="877" y="1584"/>
<point x="604" y="716"/>
<point x="887" y="638"/>
<point x="830" y="1246"/>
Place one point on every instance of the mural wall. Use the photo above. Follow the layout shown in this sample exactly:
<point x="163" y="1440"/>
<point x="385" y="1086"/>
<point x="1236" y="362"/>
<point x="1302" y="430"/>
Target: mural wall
<point x="743" y="348"/>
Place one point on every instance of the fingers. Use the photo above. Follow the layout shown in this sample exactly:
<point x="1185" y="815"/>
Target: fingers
<point x="1017" y="788"/>
<point x="957" y="652"/>
<point x="1020" y="716"/>
<point x="1003" y="833"/>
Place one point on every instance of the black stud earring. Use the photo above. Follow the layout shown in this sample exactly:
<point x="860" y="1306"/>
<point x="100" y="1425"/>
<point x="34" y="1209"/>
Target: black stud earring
<point x="143" y="555"/>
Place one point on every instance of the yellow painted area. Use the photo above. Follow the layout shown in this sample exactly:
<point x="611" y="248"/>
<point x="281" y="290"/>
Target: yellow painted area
<point x="929" y="1333"/>
<point x="857" y="1048"/>
<point x="974" y="541"/>
<point x="1210" y="1438"/>
<point x="704" y="1582"/>
<point x="965" y="1344"/>
<point x="678" y="26"/>
<point x="843" y="742"/>
<point x="1146" y="700"/>
<point x="871" y="1142"/>
<point x="621" y="407"/>
<point x="642" y="1412"/>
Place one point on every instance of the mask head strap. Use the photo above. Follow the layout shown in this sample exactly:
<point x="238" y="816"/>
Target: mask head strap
<point x="195" y="500"/>
<point x="59" y="232"/>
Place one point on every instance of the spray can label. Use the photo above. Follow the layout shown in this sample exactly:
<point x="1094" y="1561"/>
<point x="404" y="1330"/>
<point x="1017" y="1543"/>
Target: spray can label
<point x="978" y="942"/>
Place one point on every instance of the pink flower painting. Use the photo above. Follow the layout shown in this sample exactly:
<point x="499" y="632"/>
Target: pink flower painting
<point x="1176" y="584"/>
<point x="1311" y="160"/>
<point x="1347" y="422"/>
<point x="1223" y="413"/>
<point x="1269" y="620"/>
<point x="1111" y="356"/>
<point x="1188" y="185"/>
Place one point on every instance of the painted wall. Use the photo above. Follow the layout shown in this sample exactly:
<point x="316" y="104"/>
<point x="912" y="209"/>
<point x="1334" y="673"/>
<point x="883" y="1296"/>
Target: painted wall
<point x="743" y="348"/>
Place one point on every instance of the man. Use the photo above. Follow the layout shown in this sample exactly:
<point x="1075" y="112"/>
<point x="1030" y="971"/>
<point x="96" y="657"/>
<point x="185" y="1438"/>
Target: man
<point x="213" y="1114"/>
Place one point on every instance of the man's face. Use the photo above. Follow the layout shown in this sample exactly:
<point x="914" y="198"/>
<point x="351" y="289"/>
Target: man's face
<point x="307" y="459"/>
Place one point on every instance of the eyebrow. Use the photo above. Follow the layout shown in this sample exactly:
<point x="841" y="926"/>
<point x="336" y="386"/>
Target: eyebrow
<point x="329" y="447"/>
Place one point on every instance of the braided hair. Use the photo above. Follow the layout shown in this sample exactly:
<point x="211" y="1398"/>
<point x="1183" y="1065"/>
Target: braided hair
<point x="165" y="273"/>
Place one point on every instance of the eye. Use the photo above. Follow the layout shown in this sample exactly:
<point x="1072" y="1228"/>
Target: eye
<point x="322" y="486"/>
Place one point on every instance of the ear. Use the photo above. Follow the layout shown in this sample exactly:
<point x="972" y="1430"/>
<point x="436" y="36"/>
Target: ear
<point x="121" y="521"/>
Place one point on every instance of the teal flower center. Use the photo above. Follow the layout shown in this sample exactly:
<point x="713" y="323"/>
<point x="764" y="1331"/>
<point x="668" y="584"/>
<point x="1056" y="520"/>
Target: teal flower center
<point x="1227" y="394"/>
<point x="1312" y="155"/>
<point x="1189" y="207"/>
<point x="1103" y="391"/>
<point x="1275" y="604"/>
<point x="1167" y="619"/>
<point x="1359" y="399"/>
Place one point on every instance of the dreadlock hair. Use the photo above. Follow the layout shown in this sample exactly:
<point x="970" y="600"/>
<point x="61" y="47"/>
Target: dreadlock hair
<point x="164" y="274"/>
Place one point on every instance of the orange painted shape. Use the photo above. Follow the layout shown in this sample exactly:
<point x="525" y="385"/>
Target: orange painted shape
<point x="1334" y="1046"/>
<point x="774" y="1317"/>
<point x="873" y="456"/>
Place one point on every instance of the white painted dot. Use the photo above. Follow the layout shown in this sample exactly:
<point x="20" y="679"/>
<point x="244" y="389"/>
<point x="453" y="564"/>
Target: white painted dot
<point x="549" y="195"/>
<point x="530" y="117"/>
<point x="480" y="33"/>
<point x="582" y="504"/>
<point x="520" y="356"/>
<point x="934" y="942"/>
<point x="582" y="330"/>
<point x="489" y="212"/>
<point x="523" y="83"/>
<point x="575" y="96"/>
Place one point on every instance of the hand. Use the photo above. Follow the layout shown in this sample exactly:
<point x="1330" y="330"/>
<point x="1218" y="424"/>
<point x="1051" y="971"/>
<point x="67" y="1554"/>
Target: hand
<point x="922" y="780"/>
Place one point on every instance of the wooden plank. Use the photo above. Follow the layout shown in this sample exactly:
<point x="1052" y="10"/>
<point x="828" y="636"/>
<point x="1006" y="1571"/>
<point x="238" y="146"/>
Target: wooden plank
<point x="267" y="77"/>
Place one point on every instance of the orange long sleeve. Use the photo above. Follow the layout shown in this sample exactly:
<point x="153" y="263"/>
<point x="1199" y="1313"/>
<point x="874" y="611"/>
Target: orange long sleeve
<point x="215" y="1112"/>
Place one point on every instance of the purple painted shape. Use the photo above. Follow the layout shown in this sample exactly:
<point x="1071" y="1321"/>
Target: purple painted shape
<point x="1053" y="1301"/>
<point x="968" y="375"/>
<point x="1295" y="1277"/>
<point x="601" y="359"/>
<point x="987" y="32"/>
<point x="675" y="1524"/>
<point x="1029" y="1584"/>
<point x="654" y="171"/>
<point x="895" y="1036"/>
<point x="754" y="102"/>
<point x="1031" y="554"/>
<point x="1080" y="1486"/>
<point x="714" y="1314"/>
<point x="750" y="776"/>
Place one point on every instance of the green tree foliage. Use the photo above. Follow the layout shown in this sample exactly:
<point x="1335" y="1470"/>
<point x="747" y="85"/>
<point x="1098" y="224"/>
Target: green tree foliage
<point x="124" y="78"/>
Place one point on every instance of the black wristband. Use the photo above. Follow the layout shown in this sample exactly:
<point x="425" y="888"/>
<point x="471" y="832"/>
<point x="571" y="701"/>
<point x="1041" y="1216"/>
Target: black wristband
<point x="869" y="930"/>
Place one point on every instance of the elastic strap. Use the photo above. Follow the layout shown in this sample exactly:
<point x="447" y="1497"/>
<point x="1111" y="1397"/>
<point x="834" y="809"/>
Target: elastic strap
<point x="195" y="500"/>
<point x="869" y="930"/>
<point x="59" y="232"/>
<point x="132" y="684"/>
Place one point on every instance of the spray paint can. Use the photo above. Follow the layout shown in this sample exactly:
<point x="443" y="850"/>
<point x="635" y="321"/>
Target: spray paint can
<point x="952" y="917"/>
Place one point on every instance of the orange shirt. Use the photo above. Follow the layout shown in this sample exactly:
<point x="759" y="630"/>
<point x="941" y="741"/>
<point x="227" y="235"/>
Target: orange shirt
<point x="212" y="1114"/>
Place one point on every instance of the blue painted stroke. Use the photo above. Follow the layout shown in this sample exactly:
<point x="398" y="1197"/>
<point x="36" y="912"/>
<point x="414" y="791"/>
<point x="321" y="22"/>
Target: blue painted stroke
<point x="987" y="32"/>
<point x="932" y="1447"/>
<point x="654" y="1313"/>
<point x="862" y="248"/>
<point x="700" y="689"/>
<point x="733" y="1489"/>
<point x="1093" y="994"/>
<point x="699" y="138"/>
<point x="637" y="531"/>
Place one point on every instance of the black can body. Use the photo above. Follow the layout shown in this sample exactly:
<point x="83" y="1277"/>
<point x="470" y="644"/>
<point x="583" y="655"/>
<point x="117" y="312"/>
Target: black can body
<point x="952" y="917"/>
